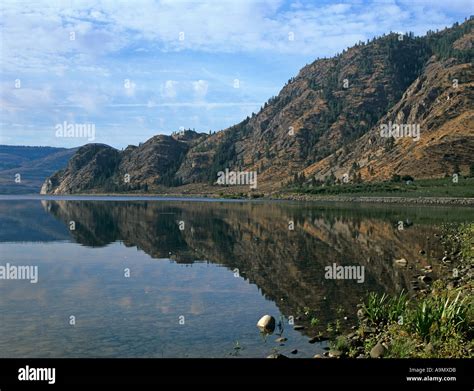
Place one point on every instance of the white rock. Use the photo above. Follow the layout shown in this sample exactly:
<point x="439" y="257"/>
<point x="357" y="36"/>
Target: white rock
<point x="401" y="262"/>
<point x="266" y="323"/>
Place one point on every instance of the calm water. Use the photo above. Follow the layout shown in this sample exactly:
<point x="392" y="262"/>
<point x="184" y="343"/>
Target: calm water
<point x="147" y="278"/>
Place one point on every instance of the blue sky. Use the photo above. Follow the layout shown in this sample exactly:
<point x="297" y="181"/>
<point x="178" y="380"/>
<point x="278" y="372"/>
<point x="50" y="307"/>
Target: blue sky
<point x="134" y="69"/>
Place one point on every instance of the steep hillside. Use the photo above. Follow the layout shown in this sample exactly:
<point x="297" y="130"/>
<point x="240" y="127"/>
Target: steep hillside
<point x="99" y="167"/>
<point x="440" y="101"/>
<point x="325" y="123"/>
<point x="328" y="104"/>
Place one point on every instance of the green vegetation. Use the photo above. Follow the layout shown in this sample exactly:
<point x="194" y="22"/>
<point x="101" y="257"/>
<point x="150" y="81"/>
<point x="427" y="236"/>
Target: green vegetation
<point x="384" y="309"/>
<point x="404" y="57"/>
<point x="443" y="187"/>
<point x="435" y="322"/>
<point x="444" y="320"/>
<point x="441" y="43"/>
<point x="236" y="350"/>
<point x="168" y="177"/>
<point x="440" y="316"/>
<point x="340" y="343"/>
<point x="314" y="322"/>
<point x="460" y="238"/>
<point x="401" y="347"/>
<point x="466" y="233"/>
<point x="226" y="156"/>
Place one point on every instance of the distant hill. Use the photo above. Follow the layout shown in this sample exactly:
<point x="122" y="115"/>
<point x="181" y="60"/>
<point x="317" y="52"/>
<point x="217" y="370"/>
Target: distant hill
<point x="101" y="168"/>
<point x="34" y="164"/>
<point x="325" y="123"/>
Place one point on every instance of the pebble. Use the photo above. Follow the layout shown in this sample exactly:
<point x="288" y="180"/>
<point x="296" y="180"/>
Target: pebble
<point x="401" y="262"/>
<point x="425" y="279"/>
<point x="335" y="353"/>
<point x="377" y="351"/>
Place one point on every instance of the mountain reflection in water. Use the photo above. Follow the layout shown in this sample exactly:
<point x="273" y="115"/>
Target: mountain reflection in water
<point x="252" y="244"/>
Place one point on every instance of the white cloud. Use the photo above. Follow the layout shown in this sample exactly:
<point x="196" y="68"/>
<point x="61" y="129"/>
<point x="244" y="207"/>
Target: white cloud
<point x="90" y="101"/>
<point x="139" y="40"/>
<point x="18" y="99"/>
<point x="37" y="35"/>
<point x="129" y="87"/>
<point x="200" y="88"/>
<point x="151" y="104"/>
<point x="169" y="89"/>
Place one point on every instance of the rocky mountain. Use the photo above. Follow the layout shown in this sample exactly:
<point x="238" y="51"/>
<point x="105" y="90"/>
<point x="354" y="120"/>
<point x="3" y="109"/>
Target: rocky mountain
<point x="326" y="123"/>
<point x="440" y="103"/>
<point x="23" y="168"/>
<point x="99" y="167"/>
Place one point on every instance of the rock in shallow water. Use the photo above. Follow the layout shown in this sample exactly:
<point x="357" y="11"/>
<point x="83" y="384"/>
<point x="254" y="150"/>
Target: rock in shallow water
<point x="266" y="324"/>
<point x="318" y="339"/>
<point x="277" y="356"/>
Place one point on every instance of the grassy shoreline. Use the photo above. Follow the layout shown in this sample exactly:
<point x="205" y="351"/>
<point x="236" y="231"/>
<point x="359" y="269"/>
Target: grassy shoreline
<point x="442" y="191"/>
<point x="438" y="322"/>
<point x="460" y="201"/>
<point x="458" y="187"/>
<point x="428" y="201"/>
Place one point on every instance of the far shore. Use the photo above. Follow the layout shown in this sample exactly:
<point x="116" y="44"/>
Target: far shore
<point x="433" y="201"/>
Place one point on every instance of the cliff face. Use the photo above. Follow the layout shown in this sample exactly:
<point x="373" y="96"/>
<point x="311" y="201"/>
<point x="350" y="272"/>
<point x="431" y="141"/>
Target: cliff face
<point x="325" y="122"/>
<point x="101" y="168"/>
<point x="439" y="103"/>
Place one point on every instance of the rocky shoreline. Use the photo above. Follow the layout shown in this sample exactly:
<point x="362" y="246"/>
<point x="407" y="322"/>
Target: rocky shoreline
<point x="438" y="201"/>
<point x="381" y="200"/>
<point x="372" y="339"/>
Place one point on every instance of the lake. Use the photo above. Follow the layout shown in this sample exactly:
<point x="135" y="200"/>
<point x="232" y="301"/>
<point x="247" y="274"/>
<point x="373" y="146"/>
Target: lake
<point x="131" y="277"/>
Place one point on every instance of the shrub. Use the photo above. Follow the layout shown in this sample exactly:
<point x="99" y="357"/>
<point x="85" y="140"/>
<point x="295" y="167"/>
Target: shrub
<point x="340" y="343"/>
<point x="383" y="309"/>
<point x="440" y="317"/>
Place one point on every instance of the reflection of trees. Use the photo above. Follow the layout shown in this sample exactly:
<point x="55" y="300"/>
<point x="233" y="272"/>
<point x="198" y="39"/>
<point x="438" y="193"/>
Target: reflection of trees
<point x="288" y="266"/>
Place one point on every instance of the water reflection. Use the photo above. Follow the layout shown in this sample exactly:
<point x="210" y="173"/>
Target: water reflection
<point x="256" y="240"/>
<point x="279" y="249"/>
